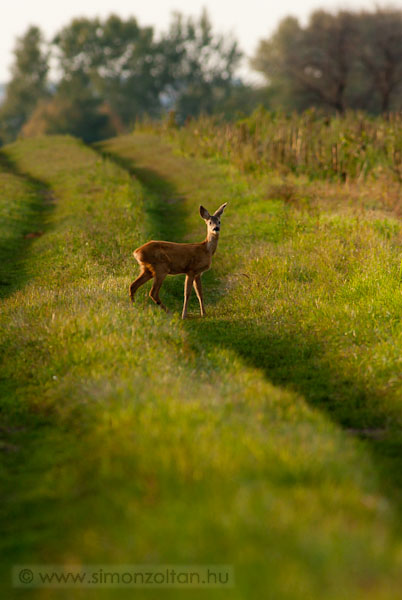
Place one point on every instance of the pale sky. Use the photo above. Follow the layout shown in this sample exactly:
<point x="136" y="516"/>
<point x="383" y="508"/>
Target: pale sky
<point x="248" y="20"/>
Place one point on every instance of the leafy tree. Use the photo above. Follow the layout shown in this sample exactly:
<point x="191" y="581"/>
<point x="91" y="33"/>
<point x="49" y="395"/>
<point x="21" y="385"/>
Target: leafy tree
<point x="338" y="61"/>
<point x="28" y="84"/>
<point x="113" y="71"/>
<point x="380" y="54"/>
<point x="199" y="66"/>
<point x="276" y="58"/>
<point x="327" y="62"/>
<point x="189" y="68"/>
<point x="312" y="64"/>
<point x="77" y="113"/>
<point x="118" y="61"/>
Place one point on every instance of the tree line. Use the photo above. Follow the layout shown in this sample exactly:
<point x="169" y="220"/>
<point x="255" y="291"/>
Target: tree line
<point x="113" y="71"/>
<point x="348" y="60"/>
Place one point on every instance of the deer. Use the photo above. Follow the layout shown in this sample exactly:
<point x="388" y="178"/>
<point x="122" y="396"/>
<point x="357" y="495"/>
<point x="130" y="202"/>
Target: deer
<point x="158" y="259"/>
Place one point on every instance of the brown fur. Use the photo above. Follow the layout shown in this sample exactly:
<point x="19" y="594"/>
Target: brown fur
<point x="158" y="259"/>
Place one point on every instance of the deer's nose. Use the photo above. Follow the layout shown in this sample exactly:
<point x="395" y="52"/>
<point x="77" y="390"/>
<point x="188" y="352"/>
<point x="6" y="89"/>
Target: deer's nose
<point x="216" y="228"/>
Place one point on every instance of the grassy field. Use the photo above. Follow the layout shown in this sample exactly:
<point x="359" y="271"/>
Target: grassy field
<point x="344" y="147"/>
<point x="266" y="436"/>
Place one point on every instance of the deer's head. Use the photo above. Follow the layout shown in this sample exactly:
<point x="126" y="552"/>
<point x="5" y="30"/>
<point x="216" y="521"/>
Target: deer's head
<point x="213" y="222"/>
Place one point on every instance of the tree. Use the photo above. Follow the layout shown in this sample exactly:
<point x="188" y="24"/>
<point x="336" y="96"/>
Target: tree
<point x="189" y="68"/>
<point x="338" y="61"/>
<point x="276" y="58"/>
<point x="380" y="53"/>
<point x="77" y="113"/>
<point x="327" y="62"/>
<point x="199" y="66"/>
<point x="315" y="63"/>
<point x="113" y="70"/>
<point x="117" y="60"/>
<point x="28" y="84"/>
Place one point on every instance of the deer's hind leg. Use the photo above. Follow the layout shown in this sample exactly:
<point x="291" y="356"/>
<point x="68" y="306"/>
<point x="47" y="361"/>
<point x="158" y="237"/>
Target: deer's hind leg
<point x="154" y="293"/>
<point x="142" y="278"/>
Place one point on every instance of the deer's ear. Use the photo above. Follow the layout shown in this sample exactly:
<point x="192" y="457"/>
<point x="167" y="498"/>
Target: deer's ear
<point x="204" y="213"/>
<point x="220" y="210"/>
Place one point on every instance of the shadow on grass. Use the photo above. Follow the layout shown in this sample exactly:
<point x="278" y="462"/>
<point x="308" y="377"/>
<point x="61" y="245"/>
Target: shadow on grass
<point x="165" y="207"/>
<point x="22" y="430"/>
<point x="288" y="360"/>
<point x="28" y="224"/>
<point x="295" y="363"/>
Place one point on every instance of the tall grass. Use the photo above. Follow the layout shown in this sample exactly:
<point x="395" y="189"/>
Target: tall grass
<point x="341" y="147"/>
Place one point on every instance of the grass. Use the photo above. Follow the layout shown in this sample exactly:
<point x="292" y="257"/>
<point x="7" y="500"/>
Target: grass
<point x="353" y="146"/>
<point x="266" y="436"/>
<point x="23" y="206"/>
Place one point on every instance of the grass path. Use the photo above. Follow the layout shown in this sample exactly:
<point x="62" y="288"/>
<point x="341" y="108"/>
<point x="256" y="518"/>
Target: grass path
<point x="24" y="204"/>
<point x="141" y="439"/>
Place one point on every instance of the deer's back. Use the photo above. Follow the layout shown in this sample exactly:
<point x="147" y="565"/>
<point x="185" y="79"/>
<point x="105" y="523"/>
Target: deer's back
<point x="174" y="258"/>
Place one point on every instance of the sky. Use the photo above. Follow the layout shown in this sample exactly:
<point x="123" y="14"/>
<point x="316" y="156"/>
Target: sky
<point x="248" y="20"/>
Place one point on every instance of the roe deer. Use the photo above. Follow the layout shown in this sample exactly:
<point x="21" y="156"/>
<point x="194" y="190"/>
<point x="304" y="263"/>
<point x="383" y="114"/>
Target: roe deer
<point x="158" y="259"/>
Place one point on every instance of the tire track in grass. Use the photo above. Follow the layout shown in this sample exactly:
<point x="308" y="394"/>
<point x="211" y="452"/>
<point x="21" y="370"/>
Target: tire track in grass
<point x="38" y="442"/>
<point x="25" y="205"/>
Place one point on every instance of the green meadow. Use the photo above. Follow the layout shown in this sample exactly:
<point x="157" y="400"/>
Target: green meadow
<point x="266" y="436"/>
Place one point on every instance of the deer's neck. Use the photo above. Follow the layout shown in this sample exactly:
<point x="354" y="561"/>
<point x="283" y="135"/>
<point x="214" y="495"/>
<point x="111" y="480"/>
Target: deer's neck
<point x="212" y="243"/>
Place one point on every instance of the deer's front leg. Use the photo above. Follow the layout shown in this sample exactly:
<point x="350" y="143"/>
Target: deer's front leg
<point x="187" y="291"/>
<point x="198" y="291"/>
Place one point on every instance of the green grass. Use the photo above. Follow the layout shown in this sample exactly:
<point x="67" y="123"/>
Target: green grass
<point x="24" y="203"/>
<point x="353" y="146"/>
<point x="266" y="435"/>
